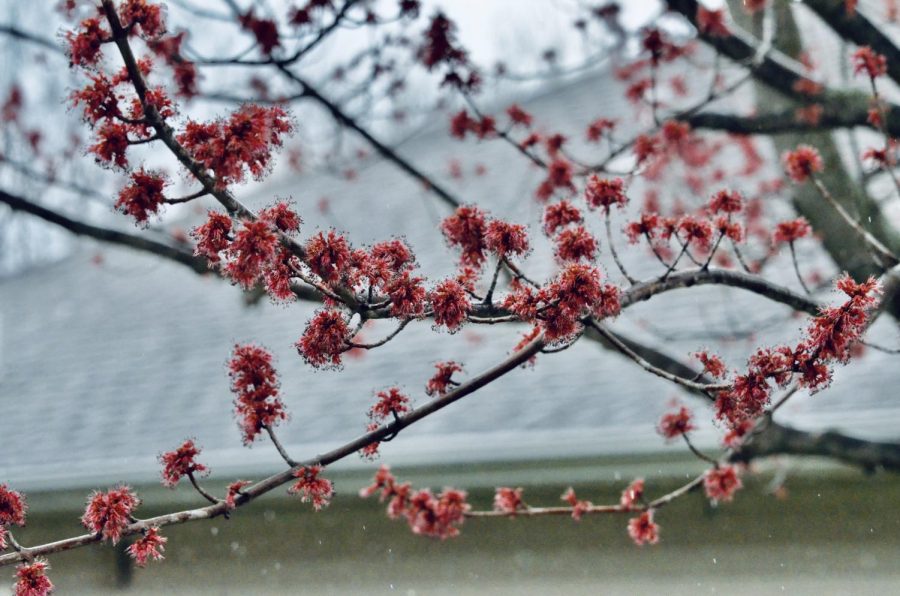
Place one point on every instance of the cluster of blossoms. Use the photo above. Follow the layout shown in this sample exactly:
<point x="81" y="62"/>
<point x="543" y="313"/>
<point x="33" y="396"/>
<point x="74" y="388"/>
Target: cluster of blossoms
<point x="866" y="60"/>
<point x="12" y="512"/>
<point x="476" y="235"/>
<point x="442" y="381"/>
<point x="828" y="339"/>
<point x="109" y="513"/>
<point x="311" y="487"/>
<point x="180" y="463"/>
<point x="801" y="163"/>
<point x="32" y="580"/>
<point x="254" y="381"/>
<point x="558" y="308"/>
<point x="437" y="516"/>
<point x="440" y="51"/>
<point x="701" y="232"/>
<point x="391" y="403"/>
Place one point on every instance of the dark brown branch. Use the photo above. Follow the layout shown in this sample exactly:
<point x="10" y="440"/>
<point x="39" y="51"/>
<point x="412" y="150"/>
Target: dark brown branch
<point x="17" y="33"/>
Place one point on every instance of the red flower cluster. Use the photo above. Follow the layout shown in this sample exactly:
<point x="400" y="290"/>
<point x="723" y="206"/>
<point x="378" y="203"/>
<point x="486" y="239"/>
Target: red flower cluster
<point x="109" y="513"/>
<point x="579" y="507"/>
<point x="509" y="500"/>
<point x="866" y="60"/>
<point x="328" y="256"/>
<point x="150" y="546"/>
<point x="801" y="163"/>
<point x="720" y="483"/>
<point x="32" y="580"/>
<point x="441" y="49"/>
<point x="85" y="42"/>
<point x="792" y="230"/>
<point x="12" y="507"/>
<point x="633" y="494"/>
<point x="324" y="339"/>
<point x="518" y="116"/>
<point x="443" y="379"/>
<point x="605" y="193"/>
<point x="311" y="488"/>
<point x="180" y="462"/>
<point x="255" y="383"/>
<point x="251" y="252"/>
<point x="213" y="236"/>
<point x="643" y="530"/>
<point x="185" y="72"/>
<point x="559" y="175"/>
<point x="390" y="403"/>
<point x="461" y="124"/>
<point x="407" y="296"/>
<point x="264" y="30"/>
<point x="726" y="201"/>
<point x="466" y="229"/>
<point x="234" y="489"/>
<point x="427" y="514"/>
<point x="450" y="304"/>
<point x="576" y="244"/>
<point x="506" y="239"/>
<point x="244" y="141"/>
<point x="559" y="215"/>
<point x="712" y="364"/>
<point x="598" y="128"/>
<point x="142" y="196"/>
<point x="675" y="424"/>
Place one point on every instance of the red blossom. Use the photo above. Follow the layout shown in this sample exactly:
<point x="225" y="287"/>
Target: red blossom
<point x="142" y="196"/>
<point x="85" y="42"/>
<point x="720" y="483"/>
<point x="264" y="30"/>
<point x="518" y="116"/>
<point x="243" y="142"/>
<point x="559" y="215"/>
<point x="866" y="60"/>
<point x="140" y="15"/>
<point x="647" y="226"/>
<point x="254" y="381"/>
<point x="559" y="175"/>
<point x="390" y="403"/>
<point x="213" y="236"/>
<point x="149" y="546"/>
<point x="712" y="364"/>
<point x="802" y="162"/>
<point x="466" y="228"/>
<point x="605" y="193"/>
<point x="450" y="304"/>
<point x="282" y="217"/>
<point x="407" y="296"/>
<point x="328" y="256"/>
<point x="394" y="255"/>
<point x="509" y="500"/>
<point x="180" y="462"/>
<point x="12" y="507"/>
<point x="726" y="201"/>
<point x="579" y="508"/>
<point x="437" y="516"/>
<point x="575" y="244"/>
<point x="506" y="239"/>
<point x="712" y="22"/>
<point x="324" y="339"/>
<point x="99" y="99"/>
<point x="696" y="231"/>
<point x="598" y="128"/>
<point x="645" y="147"/>
<point x="791" y="230"/>
<point x="311" y="488"/>
<point x="112" y="143"/>
<point x="252" y="250"/>
<point x="633" y="494"/>
<point x="234" y="489"/>
<point x="729" y="229"/>
<point x="32" y="580"/>
<point x="442" y="380"/>
<point x="109" y="513"/>
<point x="643" y="530"/>
<point x="676" y="424"/>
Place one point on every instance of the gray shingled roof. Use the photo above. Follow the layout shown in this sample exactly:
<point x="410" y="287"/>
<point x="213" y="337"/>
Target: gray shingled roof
<point x="103" y="367"/>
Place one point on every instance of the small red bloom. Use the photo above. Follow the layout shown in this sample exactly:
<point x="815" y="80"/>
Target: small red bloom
<point x="646" y="226"/>
<point x="633" y="494"/>
<point x="466" y="228"/>
<point x="726" y="201"/>
<point x="109" y="513"/>
<point x="282" y="217"/>
<point x="870" y="62"/>
<point x="721" y="483"/>
<point x="407" y="296"/>
<point x="598" y="128"/>
<point x="643" y="530"/>
<point x="518" y="116"/>
<point x="437" y="516"/>
<point x="390" y="403"/>
<point x="605" y="193"/>
<point x="251" y="252"/>
<point x="311" y="488"/>
<point x="579" y="508"/>
<point x="150" y="546"/>
<point x="265" y="31"/>
<point x="213" y="236"/>
<point x="559" y="215"/>
<point x="508" y="500"/>
<point x="12" y="507"/>
<point x="802" y="162"/>
<point x="675" y="424"/>
<point x="234" y="489"/>
<point x="645" y="147"/>
<point x="31" y="579"/>
<point x="324" y="339"/>
<point x="254" y="381"/>
<point x="180" y="462"/>
<point x="505" y="239"/>
<point x="142" y="196"/>
<point x="111" y="145"/>
<point x="450" y="304"/>
<point x="328" y="255"/>
<point x="575" y="244"/>
<point x="696" y="231"/>
<point x="712" y="364"/>
<point x="442" y="379"/>
<point x="84" y="44"/>
<point x="792" y="230"/>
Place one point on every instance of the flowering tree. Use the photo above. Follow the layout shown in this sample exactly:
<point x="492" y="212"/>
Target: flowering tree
<point x="140" y="82"/>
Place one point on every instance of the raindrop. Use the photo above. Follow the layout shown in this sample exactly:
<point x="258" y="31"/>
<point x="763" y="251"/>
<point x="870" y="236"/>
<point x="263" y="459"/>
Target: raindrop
<point x="714" y="561"/>
<point x="214" y="531"/>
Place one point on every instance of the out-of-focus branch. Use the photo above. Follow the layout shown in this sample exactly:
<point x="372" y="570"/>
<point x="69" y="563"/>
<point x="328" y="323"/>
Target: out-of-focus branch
<point x="17" y="33"/>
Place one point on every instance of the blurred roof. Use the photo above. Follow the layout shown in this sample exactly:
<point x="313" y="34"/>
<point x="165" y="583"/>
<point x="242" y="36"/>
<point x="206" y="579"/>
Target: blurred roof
<point x="104" y="366"/>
